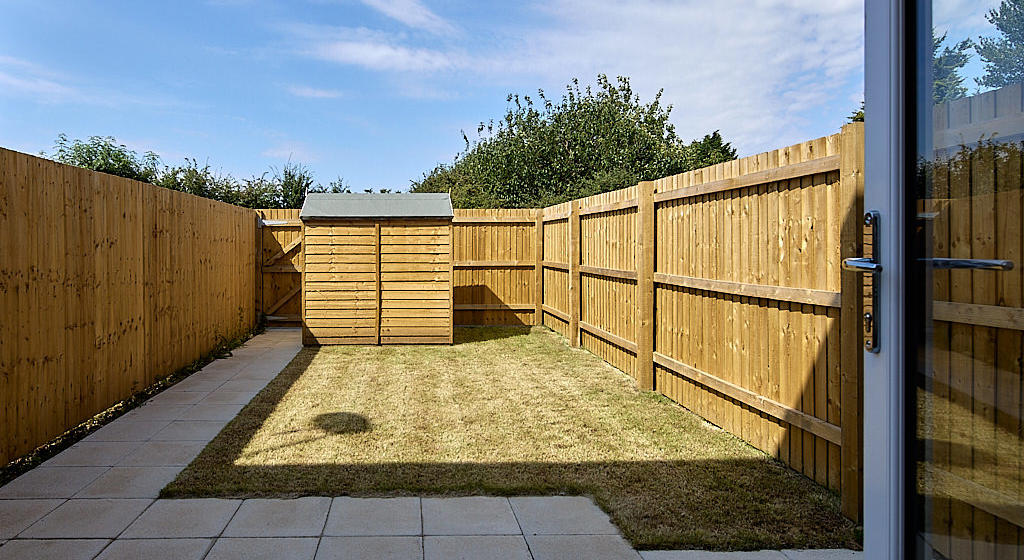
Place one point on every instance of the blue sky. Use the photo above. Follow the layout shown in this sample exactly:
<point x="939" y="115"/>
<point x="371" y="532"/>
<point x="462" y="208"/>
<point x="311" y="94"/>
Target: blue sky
<point x="377" y="91"/>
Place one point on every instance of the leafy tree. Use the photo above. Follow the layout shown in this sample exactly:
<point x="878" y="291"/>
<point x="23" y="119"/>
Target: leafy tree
<point x="257" y="192"/>
<point x="103" y="153"/>
<point x="294" y="180"/>
<point x="858" y="115"/>
<point x="283" y="188"/>
<point x="946" y="65"/>
<point x="197" y="179"/>
<point x="1003" y="55"/>
<point x="545" y="151"/>
<point x="336" y="186"/>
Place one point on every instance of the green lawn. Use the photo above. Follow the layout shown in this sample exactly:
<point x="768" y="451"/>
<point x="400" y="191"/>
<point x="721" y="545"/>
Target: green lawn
<point x="511" y="411"/>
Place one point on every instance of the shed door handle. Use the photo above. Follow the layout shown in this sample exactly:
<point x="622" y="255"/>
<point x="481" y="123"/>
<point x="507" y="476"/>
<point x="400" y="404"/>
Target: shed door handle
<point x="970" y="264"/>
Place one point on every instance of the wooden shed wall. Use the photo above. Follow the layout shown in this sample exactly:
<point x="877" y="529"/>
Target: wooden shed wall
<point x="377" y="282"/>
<point x="416" y="282"/>
<point x="339" y="283"/>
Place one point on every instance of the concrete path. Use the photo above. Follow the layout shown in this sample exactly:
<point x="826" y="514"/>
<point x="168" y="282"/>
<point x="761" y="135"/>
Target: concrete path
<point x="97" y="499"/>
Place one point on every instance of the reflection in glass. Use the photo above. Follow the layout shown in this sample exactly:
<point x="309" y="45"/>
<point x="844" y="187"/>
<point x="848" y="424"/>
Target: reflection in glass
<point x="970" y="129"/>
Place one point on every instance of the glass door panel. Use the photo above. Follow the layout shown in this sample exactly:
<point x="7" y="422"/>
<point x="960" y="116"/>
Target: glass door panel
<point x="966" y="456"/>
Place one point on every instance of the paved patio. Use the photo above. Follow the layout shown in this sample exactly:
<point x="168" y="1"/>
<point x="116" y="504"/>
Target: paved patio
<point x="97" y="499"/>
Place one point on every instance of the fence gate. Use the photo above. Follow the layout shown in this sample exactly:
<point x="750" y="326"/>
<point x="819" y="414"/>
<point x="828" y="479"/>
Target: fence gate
<point x="279" y="255"/>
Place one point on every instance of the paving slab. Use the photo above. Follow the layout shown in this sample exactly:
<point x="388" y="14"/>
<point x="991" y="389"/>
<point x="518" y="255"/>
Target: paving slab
<point x="62" y="549"/>
<point x="197" y="382"/>
<point x="374" y="516"/>
<point x="155" y="412"/>
<point x="163" y="454"/>
<point x="709" y="555"/>
<point x="264" y="374"/>
<point x="220" y="375"/>
<point x="244" y="385"/>
<point x="16" y="515"/>
<point x="179" y="397"/>
<point x="580" y="547"/>
<point x="299" y="517"/>
<point x="51" y="482"/>
<point x="474" y="547"/>
<point x="561" y="515"/>
<point x="370" y="548"/>
<point x="164" y="549"/>
<point x="475" y="515"/>
<point x="824" y="554"/>
<point x="130" y="482"/>
<point x="263" y="549"/>
<point x="225" y="366"/>
<point x="201" y="517"/>
<point x="189" y="430"/>
<point x="87" y="519"/>
<point x="93" y="454"/>
<point x="128" y="428"/>
<point x="217" y="412"/>
<point x="228" y="397"/>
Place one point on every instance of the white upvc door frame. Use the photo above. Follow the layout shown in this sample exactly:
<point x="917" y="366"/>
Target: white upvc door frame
<point x="885" y="186"/>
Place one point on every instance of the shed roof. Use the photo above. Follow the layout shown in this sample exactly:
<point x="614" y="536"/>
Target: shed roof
<point x="401" y="205"/>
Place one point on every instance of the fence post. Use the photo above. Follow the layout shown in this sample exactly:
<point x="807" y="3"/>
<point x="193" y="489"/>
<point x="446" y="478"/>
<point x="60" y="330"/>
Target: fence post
<point x="258" y="285"/>
<point x="538" y="268"/>
<point x="574" y="273"/>
<point x="851" y="189"/>
<point x="645" y="286"/>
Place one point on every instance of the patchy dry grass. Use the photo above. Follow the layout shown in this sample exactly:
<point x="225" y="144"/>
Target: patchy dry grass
<point x="510" y="412"/>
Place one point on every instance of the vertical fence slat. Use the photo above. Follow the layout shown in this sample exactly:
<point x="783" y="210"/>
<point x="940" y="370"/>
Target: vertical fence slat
<point x="91" y="295"/>
<point x="851" y="181"/>
<point x="574" y="273"/>
<point x="644" y="321"/>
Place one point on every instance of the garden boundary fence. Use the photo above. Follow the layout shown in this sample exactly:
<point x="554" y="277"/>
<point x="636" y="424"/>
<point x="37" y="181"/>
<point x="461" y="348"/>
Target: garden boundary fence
<point x="107" y="285"/>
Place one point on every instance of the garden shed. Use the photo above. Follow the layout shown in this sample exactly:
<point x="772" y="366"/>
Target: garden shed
<point x="377" y="269"/>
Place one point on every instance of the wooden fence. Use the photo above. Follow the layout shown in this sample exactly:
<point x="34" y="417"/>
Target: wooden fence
<point x="719" y="288"/>
<point x="106" y="285"/>
<point x="497" y="267"/>
<point x="970" y="399"/>
<point x="280" y="257"/>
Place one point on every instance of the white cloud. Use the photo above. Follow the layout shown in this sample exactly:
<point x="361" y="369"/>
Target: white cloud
<point x="370" y="49"/>
<point x="751" y="69"/>
<point x="314" y="93"/>
<point x="963" y="18"/>
<point x="23" y="78"/>
<point x="762" y="71"/>
<point x="290" y="151"/>
<point x="413" y="14"/>
<point x="383" y="56"/>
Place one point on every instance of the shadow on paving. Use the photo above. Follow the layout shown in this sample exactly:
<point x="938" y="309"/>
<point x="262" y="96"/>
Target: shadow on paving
<point x="743" y="500"/>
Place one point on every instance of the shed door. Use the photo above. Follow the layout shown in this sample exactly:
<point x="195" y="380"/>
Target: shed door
<point x="341" y="282"/>
<point x="416" y="272"/>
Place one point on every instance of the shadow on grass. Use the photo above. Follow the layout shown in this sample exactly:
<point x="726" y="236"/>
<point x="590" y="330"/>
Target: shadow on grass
<point x="470" y="334"/>
<point x="732" y="503"/>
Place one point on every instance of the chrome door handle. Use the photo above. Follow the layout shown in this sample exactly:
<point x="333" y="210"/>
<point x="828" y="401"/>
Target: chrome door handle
<point x="861" y="264"/>
<point x="970" y="264"/>
<point x="869" y="265"/>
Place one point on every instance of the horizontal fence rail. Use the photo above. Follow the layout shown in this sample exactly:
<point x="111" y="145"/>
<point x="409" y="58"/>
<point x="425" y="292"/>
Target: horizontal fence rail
<point x="107" y="285"/>
<point x="719" y="288"/>
<point x="497" y="267"/>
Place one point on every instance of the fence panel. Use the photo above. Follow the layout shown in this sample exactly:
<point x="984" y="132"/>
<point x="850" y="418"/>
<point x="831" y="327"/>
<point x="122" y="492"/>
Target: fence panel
<point x="496" y="267"/>
<point x="608" y="277"/>
<point x="280" y="264"/>
<point x="107" y="284"/>
<point x="747" y="322"/>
